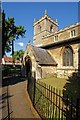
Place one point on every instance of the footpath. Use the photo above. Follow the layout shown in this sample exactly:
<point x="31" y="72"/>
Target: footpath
<point x="19" y="102"/>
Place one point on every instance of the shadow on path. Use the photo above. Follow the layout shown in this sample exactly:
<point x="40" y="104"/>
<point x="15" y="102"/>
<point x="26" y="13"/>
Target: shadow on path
<point x="6" y="97"/>
<point x="11" y="80"/>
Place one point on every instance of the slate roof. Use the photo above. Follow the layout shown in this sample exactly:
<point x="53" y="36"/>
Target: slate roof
<point x="43" y="57"/>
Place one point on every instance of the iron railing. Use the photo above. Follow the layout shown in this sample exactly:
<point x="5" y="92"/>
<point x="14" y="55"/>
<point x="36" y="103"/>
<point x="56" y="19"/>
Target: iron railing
<point x="51" y="103"/>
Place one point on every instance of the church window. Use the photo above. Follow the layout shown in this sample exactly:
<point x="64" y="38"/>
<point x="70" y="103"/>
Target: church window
<point x="56" y="38"/>
<point x="39" y="27"/>
<point x="73" y="33"/>
<point x="51" y="28"/>
<point x="68" y="57"/>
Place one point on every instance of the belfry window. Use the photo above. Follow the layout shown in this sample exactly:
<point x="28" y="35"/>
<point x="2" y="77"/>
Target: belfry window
<point x="68" y="57"/>
<point x="51" y="28"/>
<point x="39" y="27"/>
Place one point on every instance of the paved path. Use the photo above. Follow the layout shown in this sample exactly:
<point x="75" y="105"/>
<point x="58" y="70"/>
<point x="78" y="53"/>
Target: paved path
<point x="18" y="102"/>
<point x="3" y="102"/>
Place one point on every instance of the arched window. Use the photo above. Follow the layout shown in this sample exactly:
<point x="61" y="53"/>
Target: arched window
<point x="51" y="28"/>
<point x="68" y="57"/>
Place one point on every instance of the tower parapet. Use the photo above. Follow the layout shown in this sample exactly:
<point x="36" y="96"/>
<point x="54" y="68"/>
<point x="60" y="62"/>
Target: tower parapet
<point x="42" y="27"/>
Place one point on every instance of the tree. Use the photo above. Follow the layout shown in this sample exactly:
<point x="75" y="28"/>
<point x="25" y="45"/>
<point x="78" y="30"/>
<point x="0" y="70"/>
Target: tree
<point x="10" y="32"/>
<point x="18" y="54"/>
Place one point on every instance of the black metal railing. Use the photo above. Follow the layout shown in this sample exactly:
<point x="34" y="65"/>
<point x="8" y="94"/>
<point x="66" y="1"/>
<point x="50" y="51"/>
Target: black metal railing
<point x="51" y="103"/>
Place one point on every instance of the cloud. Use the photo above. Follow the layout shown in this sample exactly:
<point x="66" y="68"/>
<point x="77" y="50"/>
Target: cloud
<point x="21" y="44"/>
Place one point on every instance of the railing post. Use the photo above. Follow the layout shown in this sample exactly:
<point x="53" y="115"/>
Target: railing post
<point x="59" y="103"/>
<point x="67" y="107"/>
<point x="34" y="82"/>
<point x="28" y="82"/>
<point x="57" y="107"/>
<point x="71" y="107"/>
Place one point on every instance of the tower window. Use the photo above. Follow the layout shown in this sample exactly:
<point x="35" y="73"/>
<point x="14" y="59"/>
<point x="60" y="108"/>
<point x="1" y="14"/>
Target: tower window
<point x="51" y="28"/>
<point x="39" y="27"/>
<point x="56" y="38"/>
<point x="73" y="33"/>
<point x="68" y="57"/>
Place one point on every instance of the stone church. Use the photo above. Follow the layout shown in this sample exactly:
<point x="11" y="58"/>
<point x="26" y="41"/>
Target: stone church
<point x="54" y="52"/>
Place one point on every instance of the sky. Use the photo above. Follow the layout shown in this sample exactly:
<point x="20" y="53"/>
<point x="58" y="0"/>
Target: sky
<point x="25" y="12"/>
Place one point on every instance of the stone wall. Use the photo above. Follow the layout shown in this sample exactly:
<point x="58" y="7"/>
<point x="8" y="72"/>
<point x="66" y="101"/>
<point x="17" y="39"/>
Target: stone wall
<point x="44" y="38"/>
<point x="59" y="70"/>
<point x="40" y="71"/>
<point x="29" y="53"/>
<point x="62" y="34"/>
<point x="57" y="53"/>
<point x="65" y="72"/>
<point x="48" y="71"/>
<point x="42" y="29"/>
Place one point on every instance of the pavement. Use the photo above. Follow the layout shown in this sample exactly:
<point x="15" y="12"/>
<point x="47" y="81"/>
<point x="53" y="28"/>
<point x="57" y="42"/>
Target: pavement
<point x="19" y="102"/>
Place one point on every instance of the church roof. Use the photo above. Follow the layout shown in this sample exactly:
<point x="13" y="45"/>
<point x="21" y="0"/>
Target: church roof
<point x="43" y="57"/>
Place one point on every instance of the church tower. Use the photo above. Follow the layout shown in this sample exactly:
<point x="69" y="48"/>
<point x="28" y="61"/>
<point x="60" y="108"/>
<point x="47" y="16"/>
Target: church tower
<point x="43" y="27"/>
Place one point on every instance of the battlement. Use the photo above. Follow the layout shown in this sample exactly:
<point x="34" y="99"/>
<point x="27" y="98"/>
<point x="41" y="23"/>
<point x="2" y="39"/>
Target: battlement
<point x="45" y="17"/>
<point x="64" y="29"/>
<point x="46" y="31"/>
<point x="69" y="27"/>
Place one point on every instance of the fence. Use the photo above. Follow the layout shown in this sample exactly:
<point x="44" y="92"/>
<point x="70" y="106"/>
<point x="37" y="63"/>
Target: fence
<point x="10" y="70"/>
<point x="51" y="103"/>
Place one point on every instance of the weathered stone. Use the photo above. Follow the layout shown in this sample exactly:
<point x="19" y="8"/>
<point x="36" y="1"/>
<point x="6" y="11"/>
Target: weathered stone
<point x="45" y="30"/>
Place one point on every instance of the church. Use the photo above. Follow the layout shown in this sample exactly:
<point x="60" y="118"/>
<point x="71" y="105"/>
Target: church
<point x="54" y="52"/>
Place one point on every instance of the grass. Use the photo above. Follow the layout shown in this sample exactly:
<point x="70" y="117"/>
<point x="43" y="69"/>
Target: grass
<point x="42" y="99"/>
<point x="70" y="86"/>
<point x="58" y="83"/>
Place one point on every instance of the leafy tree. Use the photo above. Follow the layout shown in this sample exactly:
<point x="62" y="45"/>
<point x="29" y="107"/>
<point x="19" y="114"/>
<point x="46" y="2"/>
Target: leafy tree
<point x="18" y="54"/>
<point x="10" y="32"/>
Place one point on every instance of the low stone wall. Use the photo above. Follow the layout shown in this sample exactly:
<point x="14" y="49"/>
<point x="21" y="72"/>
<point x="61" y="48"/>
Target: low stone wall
<point x="65" y="72"/>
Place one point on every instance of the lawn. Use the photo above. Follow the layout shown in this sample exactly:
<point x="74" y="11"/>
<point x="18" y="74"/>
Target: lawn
<point x="71" y="86"/>
<point x="58" y="83"/>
